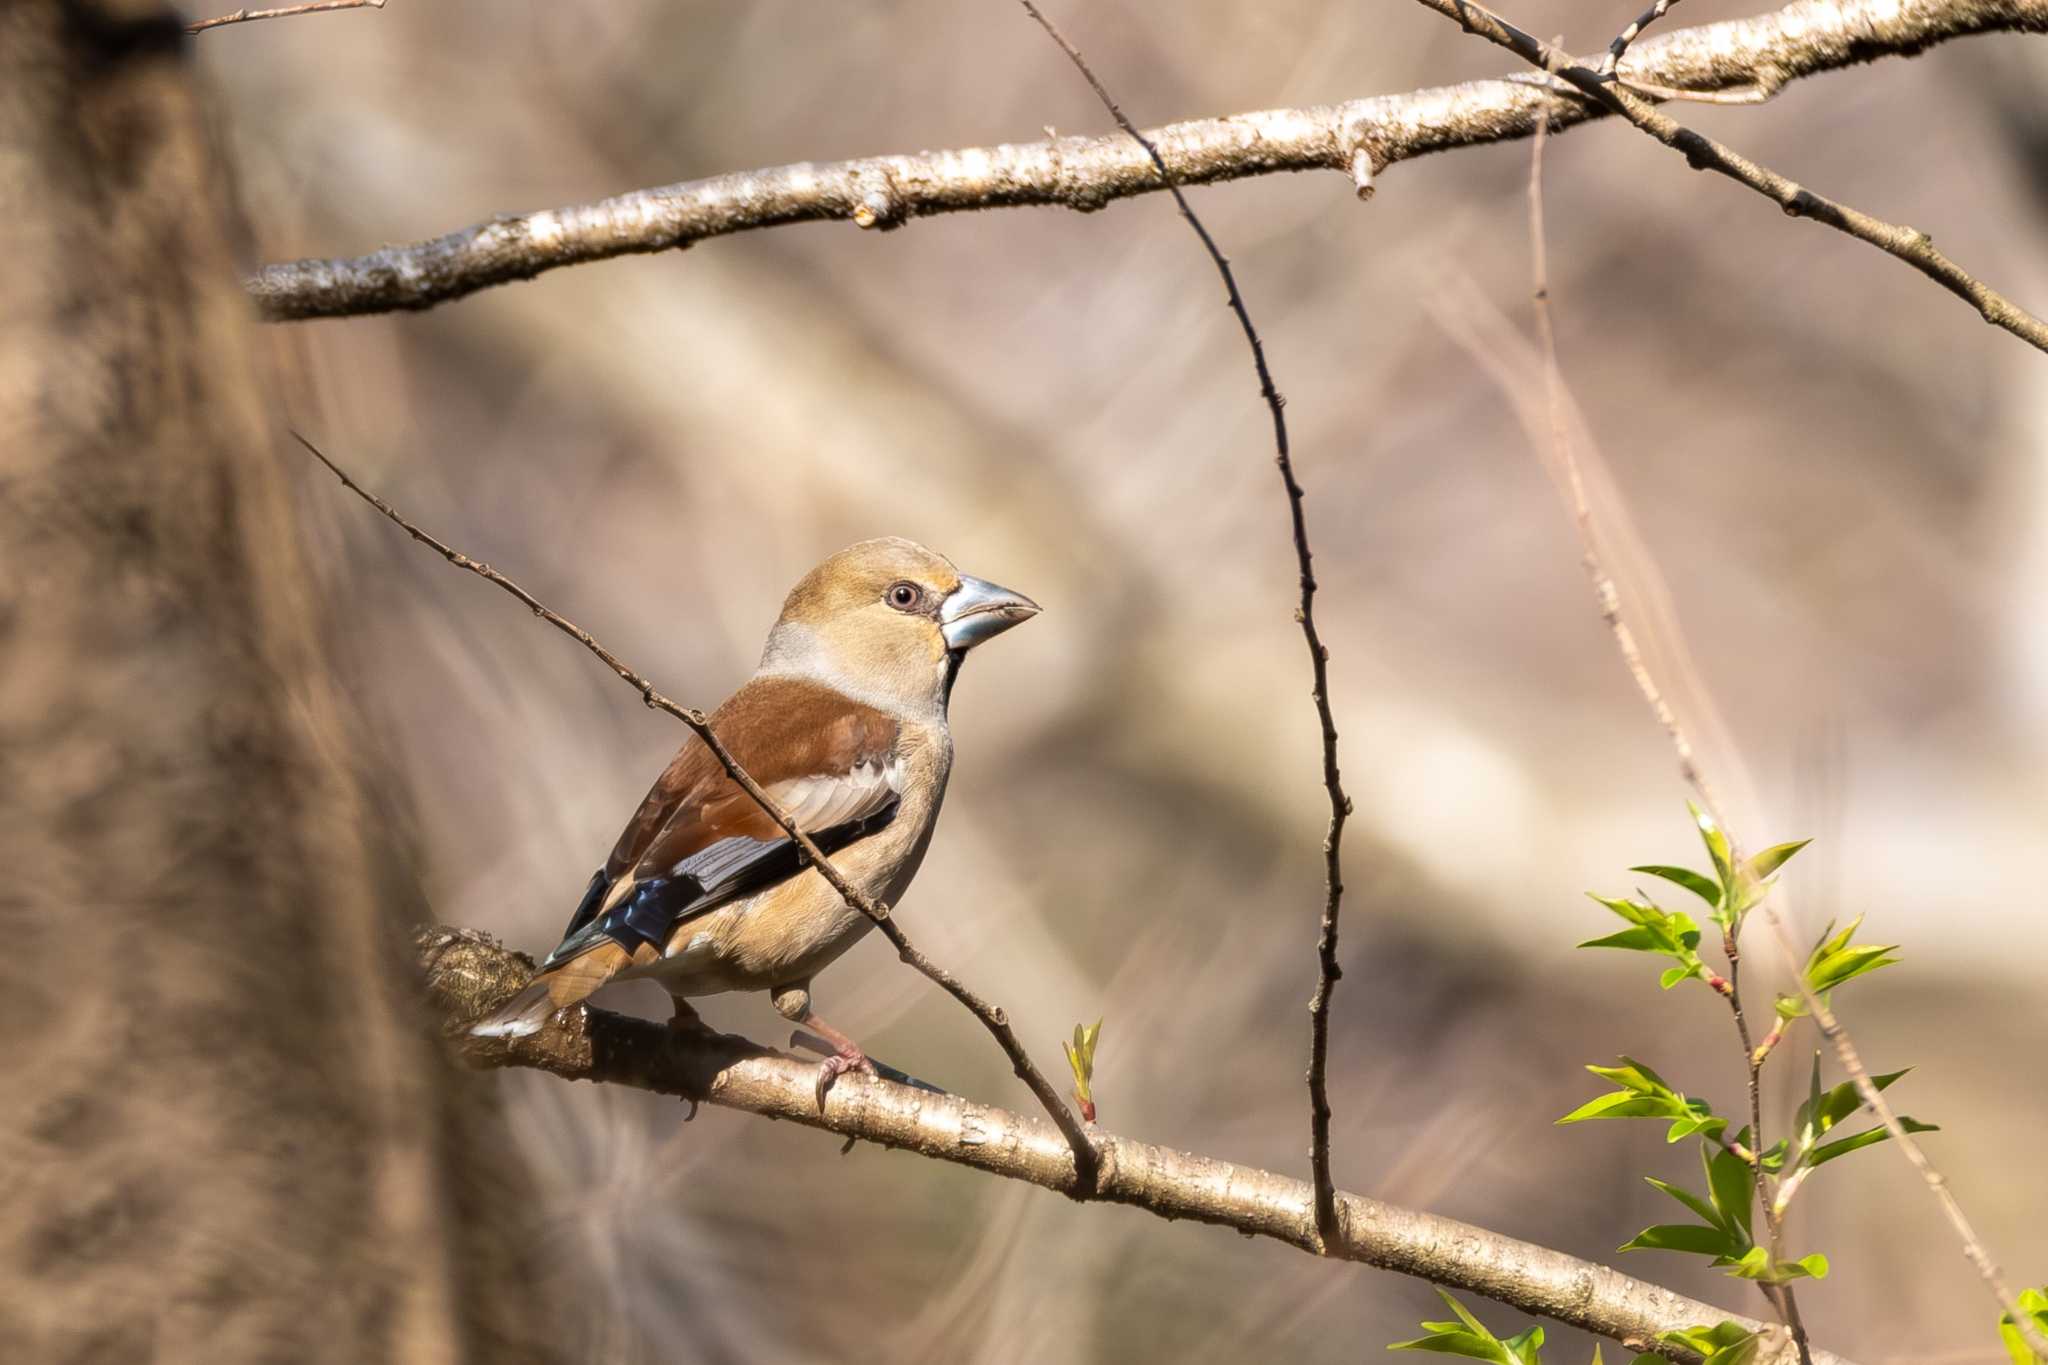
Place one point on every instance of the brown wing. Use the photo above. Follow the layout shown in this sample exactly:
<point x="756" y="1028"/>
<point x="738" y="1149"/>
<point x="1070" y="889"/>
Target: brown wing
<point x="699" y="841"/>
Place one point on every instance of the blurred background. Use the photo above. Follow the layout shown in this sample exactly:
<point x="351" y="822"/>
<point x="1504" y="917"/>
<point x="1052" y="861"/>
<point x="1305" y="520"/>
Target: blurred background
<point x="1840" y="472"/>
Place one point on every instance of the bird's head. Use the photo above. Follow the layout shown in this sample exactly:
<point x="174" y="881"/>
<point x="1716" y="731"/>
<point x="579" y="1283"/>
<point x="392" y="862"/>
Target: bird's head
<point x="887" y="622"/>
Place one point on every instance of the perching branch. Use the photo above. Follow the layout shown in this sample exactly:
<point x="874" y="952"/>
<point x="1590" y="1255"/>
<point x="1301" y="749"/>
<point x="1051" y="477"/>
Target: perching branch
<point x="469" y="974"/>
<point x="243" y="16"/>
<point x="1319" y="662"/>
<point x="991" y="1016"/>
<point x="1910" y="245"/>
<point x="1360" y="139"/>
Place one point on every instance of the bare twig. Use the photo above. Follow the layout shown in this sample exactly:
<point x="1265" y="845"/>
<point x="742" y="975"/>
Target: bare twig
<point x="1355" y="139"/>
<point x="1910" y="245"/>
<point x="469" y="974"/>
<point x="1830" y="1027"/>
<point x="244" y="16"/>
<point x="1756" y="94"/>
<point x="1328" y="972"/>
<point x="1657" y="10"/>
<point x="991" y="1016"/>
<point x="1572" y="481"/>
<point x="1567" y="463"/>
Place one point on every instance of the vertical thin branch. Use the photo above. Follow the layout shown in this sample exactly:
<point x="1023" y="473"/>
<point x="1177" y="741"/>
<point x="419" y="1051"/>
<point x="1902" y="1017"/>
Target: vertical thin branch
<point x="1780" y="1296"/>
<point x="1086" y="1160"/>
<point x="1646" y="683"/>
<point x="1326" y="1203"/>
<point x="1604" y="591"/>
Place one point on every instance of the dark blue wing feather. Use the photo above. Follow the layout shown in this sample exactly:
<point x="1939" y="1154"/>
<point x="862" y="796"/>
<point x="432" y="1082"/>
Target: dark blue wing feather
<point x="715" y="875"/>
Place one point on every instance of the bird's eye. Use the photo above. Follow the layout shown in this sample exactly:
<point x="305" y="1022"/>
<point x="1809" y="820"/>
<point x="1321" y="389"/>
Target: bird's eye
<point x="905" y="596"/>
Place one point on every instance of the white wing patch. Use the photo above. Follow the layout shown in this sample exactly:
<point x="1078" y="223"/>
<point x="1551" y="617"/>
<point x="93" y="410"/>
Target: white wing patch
<point x="819" y="802"/>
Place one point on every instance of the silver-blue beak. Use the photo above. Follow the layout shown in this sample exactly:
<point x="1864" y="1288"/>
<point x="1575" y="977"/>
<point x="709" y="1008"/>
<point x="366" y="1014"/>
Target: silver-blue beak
<point x="977" y="610"/>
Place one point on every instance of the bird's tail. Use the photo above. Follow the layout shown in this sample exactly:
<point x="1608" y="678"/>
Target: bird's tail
<point x="552" y="990"/>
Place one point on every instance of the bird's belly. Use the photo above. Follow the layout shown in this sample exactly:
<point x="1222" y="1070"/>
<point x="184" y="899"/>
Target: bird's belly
<point x="779" y="936"/>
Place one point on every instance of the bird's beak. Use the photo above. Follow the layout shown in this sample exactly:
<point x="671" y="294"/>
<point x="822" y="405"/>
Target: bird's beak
<point x="977" y="610"/>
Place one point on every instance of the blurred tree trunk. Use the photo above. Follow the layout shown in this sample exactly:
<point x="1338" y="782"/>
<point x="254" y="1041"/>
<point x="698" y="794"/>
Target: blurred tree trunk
<point x="227" y="1131"/>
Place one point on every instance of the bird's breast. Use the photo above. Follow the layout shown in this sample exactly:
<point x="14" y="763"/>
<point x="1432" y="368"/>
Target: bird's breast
<point x="793" y="929"/>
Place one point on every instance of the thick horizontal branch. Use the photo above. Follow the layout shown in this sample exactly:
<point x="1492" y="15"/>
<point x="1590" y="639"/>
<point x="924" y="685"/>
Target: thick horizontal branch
<point x="1085" y="173"/>
<point x="468" y="974"/>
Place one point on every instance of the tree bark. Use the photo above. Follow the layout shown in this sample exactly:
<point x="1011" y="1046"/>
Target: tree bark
<point x="228" y="1133"/>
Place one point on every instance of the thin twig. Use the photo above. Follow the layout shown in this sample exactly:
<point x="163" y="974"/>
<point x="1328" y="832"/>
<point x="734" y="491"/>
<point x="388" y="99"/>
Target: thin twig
<point x="468" y="974"/>
<point x="1566" y="461"/>
<point x="1319" y="661"/>
<point x="1566" y="464"/>
<point x="244" y="16"/>
<point x="1086" y="1161"/>
<point x="1830" y="1027"/>
<point x="1755" y="94"/>
<point x="1634" y="31"/>
<point x="1910" y="245"/>
<point x="1355" y="139"/>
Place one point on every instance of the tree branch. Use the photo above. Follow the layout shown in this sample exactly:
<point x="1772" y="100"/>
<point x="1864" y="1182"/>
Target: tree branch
<point x="1910" y="245"/>
<point x="992" y="1016"/>
<point x="1358" y="138"/>
<point x="469" y="974"/>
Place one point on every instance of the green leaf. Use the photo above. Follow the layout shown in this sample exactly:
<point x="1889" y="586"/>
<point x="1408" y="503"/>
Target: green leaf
<point x="1727" y="1344"/>
<point x="1733" y="1185"/>
<point x="1701" y="1120"/>
<point x="1458" y="1344"/>
<point x="1757" y="1265"/>
<point x="1623" y="1104"/>
<point x="1673" y="975"/>
<point x="2033" y="1304"/>
<point x="1834" y="961"/>
<point x="1790" y="1007"/>
<point x="1702" y="886"/>
<point x="1684" y="1237"/>
<point x="1762" y="865"/>
<point x="1716" y="841"/>
<point x="1690" y="1200"/>
<point x="1656" y="930"/>
<point x="1468" y="1337"/>
<point x="1824" y="1109"/>
<point x="1828" y="1151"/>
<point x="1639" y="939"/>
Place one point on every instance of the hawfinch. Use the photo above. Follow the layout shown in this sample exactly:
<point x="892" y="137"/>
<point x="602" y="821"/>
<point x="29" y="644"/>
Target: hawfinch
<point x="844" y="726"/>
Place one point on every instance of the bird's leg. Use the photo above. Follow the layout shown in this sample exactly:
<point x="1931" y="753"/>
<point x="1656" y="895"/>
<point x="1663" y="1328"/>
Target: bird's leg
<point x="793" y="1002"/>
<point x="686" y="1020"/>
<point x="687" y="1023"/>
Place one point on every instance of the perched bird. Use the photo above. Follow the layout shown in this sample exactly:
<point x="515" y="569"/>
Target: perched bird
<point x="844" y="726"/>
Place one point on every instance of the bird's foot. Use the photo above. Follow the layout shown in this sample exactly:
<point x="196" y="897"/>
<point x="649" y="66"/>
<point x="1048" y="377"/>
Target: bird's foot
<point x="847" y="1058"/>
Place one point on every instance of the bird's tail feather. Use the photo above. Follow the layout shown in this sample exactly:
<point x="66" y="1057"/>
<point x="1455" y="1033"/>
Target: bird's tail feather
<point x="565" y="985"/>
<point x="522" y="1015"/>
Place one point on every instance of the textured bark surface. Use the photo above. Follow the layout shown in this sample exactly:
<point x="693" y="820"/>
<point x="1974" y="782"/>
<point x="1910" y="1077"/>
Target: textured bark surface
<point x="227" y="1132"/>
